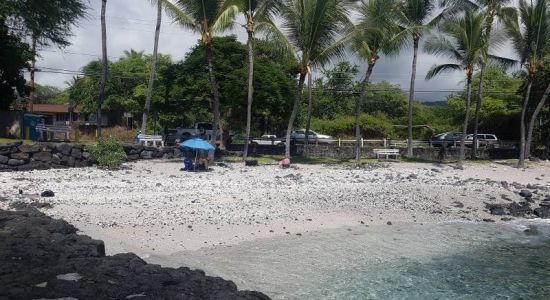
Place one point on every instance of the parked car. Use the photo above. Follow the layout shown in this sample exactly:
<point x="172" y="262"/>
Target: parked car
<point x="448" y="138"/>
<point x="314" y="137"/>
<point x="268" y="139"/>
<point x="485" y="140"/>
<point x="177" y="135"/>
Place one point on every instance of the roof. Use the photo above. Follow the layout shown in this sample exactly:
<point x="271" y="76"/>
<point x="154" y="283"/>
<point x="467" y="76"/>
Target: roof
<point x="50" y="108"/>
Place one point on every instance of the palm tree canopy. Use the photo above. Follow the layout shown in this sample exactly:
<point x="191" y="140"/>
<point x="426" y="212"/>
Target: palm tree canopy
<point x="462" y="41"/>
<point x="314" y="28"/>
<point x="529" y="30"/>
<point x="413" y="16"/>
<point x="205" y="17"/>
<point x="376" y="29"/>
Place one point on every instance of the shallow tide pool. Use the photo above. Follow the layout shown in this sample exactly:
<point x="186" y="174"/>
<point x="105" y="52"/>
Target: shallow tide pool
<point x="432" y="261"/>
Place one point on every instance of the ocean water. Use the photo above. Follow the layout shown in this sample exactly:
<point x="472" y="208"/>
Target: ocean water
<point x="432" y="261"/>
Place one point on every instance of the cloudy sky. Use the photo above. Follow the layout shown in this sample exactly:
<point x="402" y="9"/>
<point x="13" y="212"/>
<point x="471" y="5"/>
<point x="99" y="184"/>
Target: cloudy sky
<point x="131" y="25"/>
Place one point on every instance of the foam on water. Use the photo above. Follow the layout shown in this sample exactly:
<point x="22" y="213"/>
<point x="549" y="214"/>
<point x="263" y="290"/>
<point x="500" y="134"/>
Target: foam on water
<point x="436" y="261"/>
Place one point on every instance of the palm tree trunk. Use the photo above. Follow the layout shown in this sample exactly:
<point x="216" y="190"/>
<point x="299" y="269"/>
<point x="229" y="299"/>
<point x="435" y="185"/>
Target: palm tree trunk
<point x="359" y="108"/>
<point x="478" y="109"/>
<point x="297" y="101"/>
<point x="411" y="99"/>
<point x="105" y="66"/>
<point x="460" y="163"/>
<point x="521" y="161"/>
<point x="32" y="95"/>
<point x="309" y="109"/>
<point x="147" y="108"/>
<point x="250" y="90"/>
<point x="539" y="107"/>
<point x="215" y="92"/>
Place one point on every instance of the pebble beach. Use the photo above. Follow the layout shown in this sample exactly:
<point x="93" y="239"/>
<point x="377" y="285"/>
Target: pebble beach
<point x="153" y="208"/>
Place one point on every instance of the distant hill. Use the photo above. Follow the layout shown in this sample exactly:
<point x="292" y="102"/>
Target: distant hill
<point x="435" y="103"/>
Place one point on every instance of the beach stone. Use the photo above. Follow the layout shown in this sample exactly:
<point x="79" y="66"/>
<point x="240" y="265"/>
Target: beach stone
<point x="76" y="153"/>
<point x="526" y="194"/>
<point x="389" y="223"/>
<point x="64" y="148"/>
<point x="520" y="209"/>
<point x="131" y="157"/>
<point x="20" y="156"/>
<point x="543" y="212"/>
<point x="15" y="162"/>
<point x="146" y="154"/>
<point x="496" y="209"/>
<point x="4" y="159"/>
<point x="47" y="193"/>
<point x="29" y="148"/>
<point x="67" y="161"/>
<point x="42" y="156"/>
<point x="34" y="165"/>
<point x="251" y="163"/>
<point x="56" y="159"/>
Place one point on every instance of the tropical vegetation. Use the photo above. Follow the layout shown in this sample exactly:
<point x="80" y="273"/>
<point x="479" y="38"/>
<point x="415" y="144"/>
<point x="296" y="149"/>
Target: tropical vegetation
<point x="306" y="48"/>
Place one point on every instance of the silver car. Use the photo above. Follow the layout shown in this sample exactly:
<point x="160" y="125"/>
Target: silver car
<point x="300" y="136"/>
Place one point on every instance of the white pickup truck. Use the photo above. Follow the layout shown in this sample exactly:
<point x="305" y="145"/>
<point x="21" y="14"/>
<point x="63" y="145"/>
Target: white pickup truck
<point x="268" y="139"/>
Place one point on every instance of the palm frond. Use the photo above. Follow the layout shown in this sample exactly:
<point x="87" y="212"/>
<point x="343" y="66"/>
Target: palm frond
<point x="436" y="70"/>
<point x="179" y="15"/>
<point x="503" y="62"/>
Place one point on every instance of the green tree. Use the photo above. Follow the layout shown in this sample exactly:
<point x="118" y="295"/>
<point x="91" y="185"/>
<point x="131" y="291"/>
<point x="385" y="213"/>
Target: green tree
<point x="14" y="57"/>
<point x="414" y="20"/>
<point x="311" y="29"/>
<point x="336" y="92"/>
<point x="386" y="98"/>
<point x="492" y="9"/>
<point x="152" y="73"/>
<point x="46" y="22"/>
<point x="273" y="86"/>
<point x="207" y="18"/>
<point x="529" y="40"/>
<point x="373" y="36"/>
<point x="254" y="11"/>
<point x="463" y="44"/>
<point x="104" y="67"/>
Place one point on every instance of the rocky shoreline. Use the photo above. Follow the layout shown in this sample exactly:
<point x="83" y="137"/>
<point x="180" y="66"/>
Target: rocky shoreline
<point x="44" y="156"/>
<point x="45" y="258"/>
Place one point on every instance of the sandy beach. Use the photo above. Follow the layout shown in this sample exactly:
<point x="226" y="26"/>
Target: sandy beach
<point x="153" y="208"/>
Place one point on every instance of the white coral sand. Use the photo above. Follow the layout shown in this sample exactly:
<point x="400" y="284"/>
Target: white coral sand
<point x="153" y="208"/>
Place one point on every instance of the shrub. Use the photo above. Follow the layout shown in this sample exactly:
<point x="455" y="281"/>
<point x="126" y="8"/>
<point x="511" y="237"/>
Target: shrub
<point x="108" y="153"/>
<point x="375" y="125"/>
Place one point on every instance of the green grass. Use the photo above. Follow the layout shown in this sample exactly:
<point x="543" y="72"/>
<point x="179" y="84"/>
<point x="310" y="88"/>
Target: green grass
<point x="274" y="159"/>
<point x="9" y="141"/>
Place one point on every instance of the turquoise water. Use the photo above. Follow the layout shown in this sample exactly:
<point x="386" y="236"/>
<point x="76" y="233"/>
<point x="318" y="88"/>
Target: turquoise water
<point x="438" y="261"/>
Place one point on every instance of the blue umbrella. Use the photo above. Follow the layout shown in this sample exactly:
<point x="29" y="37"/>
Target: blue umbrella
<point x="199" y="144"/>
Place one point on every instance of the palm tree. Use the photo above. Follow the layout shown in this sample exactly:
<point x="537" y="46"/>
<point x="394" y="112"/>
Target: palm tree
<point x="492" y="9"/>
<point x="413" y="19"/>
<point x="105" y="66"/>
<point x="152" y="75"/>
<point x="463" y="42"/>
<point x="313" y="29"/>
<point x="255" y="12"/>
<point x="206" y="18"/>
<point x="529" y="40"/>
<point x="374" y="35"/>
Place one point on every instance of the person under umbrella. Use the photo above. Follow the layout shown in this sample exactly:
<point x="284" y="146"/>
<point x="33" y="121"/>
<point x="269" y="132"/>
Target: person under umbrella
<point x="199" y="145"/>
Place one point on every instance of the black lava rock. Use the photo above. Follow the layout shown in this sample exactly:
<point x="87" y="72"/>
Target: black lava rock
<point x="251" y="163"/>
<point x="47" y="193"/>
<point x="526" y="194"/>
<point x="45" y="258"/>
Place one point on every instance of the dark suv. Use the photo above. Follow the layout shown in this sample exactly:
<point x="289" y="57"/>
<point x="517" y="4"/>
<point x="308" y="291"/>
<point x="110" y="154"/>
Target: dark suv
<point x="448" y="138"/>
